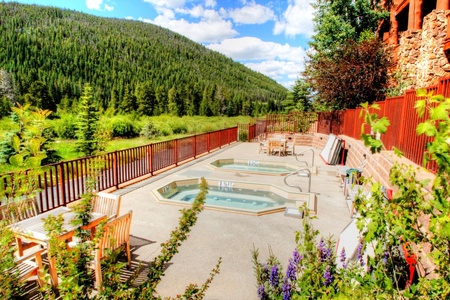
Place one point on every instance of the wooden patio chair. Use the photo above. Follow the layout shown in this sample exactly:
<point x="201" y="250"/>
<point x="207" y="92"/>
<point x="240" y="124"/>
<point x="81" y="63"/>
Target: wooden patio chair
<point x="262" y="144"/>
<point x="290" y="146"/>
<point x="116" y="234"/>
<point x="104" y="203"/>
<point x="108" y="204"/>
<point x="29" y="265"/>
<point x="18" y="211"/>
<point x="275" y="145"/>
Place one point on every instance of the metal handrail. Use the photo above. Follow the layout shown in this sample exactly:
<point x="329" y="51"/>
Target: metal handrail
<point x="301" y="154"/>
<point x="300" y="174"/>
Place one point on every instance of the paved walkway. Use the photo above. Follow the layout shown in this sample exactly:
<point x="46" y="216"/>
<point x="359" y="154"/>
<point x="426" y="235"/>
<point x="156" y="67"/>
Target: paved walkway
<point x="231" y="236"/>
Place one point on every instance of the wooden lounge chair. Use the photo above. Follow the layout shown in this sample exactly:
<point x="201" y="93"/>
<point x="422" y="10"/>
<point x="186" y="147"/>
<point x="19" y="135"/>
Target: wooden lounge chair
<point x="116" y="234"/>
<point x="17" y="211"/>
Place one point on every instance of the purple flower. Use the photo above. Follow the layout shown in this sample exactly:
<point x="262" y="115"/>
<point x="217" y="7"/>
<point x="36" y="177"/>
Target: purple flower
<point x="291" y="272"/>
<point x="325" y="253"/>
<point x="297" y="257"/>
<point x="385" y="257"/>
<point x="261" y="292"/>
<point x="321" y="245"/>
<point x="273" y="278"/>
<point x="286" y="288"/>
<point x="343" y="258"/>
<point x="359" y="255"/>
<point x="328" y="276"/>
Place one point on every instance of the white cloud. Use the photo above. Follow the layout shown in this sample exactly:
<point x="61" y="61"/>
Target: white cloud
<point x="210" y="3"/>
<point x="94" y="4"/>
<point x="205" y="31"/>
<point x="109" y="8"/>
<point x="251" y="14"/>
<point x="167" y="3"/>
<point x="297" y="19"/>
<point x="252" y="48"/>
<point x="282" y="63"/>
<point x="284" y="72"/>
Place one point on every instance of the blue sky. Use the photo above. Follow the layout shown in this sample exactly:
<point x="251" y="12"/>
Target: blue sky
<point x="268" y="36"/>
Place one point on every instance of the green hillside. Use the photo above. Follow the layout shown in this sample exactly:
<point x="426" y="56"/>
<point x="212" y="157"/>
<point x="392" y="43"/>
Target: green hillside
<point x="133" y="66"/>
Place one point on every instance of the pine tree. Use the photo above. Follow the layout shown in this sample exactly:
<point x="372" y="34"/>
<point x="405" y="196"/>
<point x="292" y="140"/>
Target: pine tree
<point x="88" y="123"/>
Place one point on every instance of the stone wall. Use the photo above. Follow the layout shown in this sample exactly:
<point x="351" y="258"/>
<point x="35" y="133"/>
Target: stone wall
<point x="422" y="61"/>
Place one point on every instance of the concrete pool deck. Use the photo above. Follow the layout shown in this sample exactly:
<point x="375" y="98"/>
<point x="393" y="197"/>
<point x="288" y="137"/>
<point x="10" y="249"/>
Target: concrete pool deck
<point x="231" y="236"/>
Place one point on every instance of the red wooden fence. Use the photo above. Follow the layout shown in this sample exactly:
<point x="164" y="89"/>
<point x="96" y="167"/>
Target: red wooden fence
<point x="64" y="182"/>
<point x="403" y="118"/>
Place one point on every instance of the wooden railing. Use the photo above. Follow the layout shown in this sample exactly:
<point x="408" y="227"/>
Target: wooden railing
<point x="403" y="118"/>
<point x="64" y="182"/>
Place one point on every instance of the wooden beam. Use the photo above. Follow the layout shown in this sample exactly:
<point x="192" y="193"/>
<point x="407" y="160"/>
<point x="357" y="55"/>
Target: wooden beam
<point x="443" y="4"/>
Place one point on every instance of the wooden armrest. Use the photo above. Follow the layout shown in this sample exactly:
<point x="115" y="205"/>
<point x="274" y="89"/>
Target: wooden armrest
<point x="32" y="254"/>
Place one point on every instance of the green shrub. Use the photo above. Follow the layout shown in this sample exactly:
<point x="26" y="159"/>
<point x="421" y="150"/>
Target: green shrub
<point x="178" y="126"/>
<point x="124" y="127"/>
<point x="149" y="130"/>
<point x="65" y="126"/>
<point x="165" y="129"/>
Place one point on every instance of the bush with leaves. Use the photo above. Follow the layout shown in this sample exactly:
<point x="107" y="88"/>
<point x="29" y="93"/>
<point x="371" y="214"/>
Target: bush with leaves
<point x="124" y="126"/>
<point x="149" y="130"/>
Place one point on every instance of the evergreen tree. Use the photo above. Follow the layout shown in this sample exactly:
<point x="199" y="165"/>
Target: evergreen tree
<point x="301" y="95"/>
<point x="38" y="95"/>
<point x="88" y="123"/>
<point x="175" y="107"/>
<point x="161" y="100"/>
<point x="145" y="98"/>
<point x="128" y="103"/>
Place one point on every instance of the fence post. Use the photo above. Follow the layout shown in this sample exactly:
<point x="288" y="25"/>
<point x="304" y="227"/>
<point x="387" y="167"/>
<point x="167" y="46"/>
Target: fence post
<point x="176" y="152"/>
<point x="62" y="184"/>
<point x="115" y="170"/>
<point x="195" y="146"/>
<point x="151" y="159"/>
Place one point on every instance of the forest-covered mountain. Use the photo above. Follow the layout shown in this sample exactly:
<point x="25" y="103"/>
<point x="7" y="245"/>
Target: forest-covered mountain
<point x="51" y="53"/>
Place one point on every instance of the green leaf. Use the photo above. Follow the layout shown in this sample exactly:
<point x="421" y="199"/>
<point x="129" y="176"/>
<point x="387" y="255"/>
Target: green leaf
<point x="364" y="105"/>
<point x="381" y="126"/>
<point x="427" y="128"/>
<point x="15" y="143"/>
<point x="35" y="161"/>
<point x="375" y="106"/>
<point x="421" y="93"/>
<point x="420" y="106"/>
<point x="16" y="160"/>
<point x="398" y="152"/>
<point x="439" y="112"/>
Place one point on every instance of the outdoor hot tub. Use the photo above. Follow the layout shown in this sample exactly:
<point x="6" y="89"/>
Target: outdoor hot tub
<point x="235" y="196"/>
<point x="259" y="167"/>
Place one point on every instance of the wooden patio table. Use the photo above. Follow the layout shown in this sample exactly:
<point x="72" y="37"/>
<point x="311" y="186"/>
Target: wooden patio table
<point x="32" y="229"/>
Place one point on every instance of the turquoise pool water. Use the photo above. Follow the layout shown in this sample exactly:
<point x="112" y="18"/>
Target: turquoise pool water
<point x="253" y="166"/>
<point x="231" y="198"/>
<point x="235" y="196"/>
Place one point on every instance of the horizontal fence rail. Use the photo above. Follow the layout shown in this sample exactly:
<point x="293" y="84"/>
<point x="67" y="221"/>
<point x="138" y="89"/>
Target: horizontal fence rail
<point x="65" y="182"/>
<point x="402" y="115"/>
